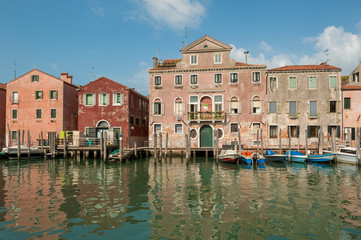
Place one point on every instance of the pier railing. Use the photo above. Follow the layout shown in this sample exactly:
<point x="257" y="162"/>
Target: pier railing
<point x="206" y="116"/>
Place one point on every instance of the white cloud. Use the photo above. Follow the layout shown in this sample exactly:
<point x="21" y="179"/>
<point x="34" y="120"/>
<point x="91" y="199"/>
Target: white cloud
<point x="265" y="46"/>
<point x="54" y="66"/>
<point x="98" y="11"/>
<point x="140" y="79"/>
<point x="359" y="26"/>
<point x="176" y="14"/>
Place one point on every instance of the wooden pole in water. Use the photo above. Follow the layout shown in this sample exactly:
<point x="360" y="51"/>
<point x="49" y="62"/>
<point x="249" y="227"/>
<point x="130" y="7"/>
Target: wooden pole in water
<point x="42" y="142"/>
<point x="166" y="144"/>
<point x="28" y="143"/>
<point x="333" y="140"/>
<point x="358" y="144"/>
<point x="65" y="145"/>
<point x="160" y="145"/>
<point x="217" y="144"/>
<point x="120" y="148"/>
<point x="289" y="144"/>
<point x="18" y="139"/>
<point x="187" y="144"/>
<point x="135" y="150"/>
<point x="262" y="152"/>
<point x="239" y="140"/>
<point x="105" y="147"/>
<point x="306" y="139"/>
<point x="155" y="146"/>
<point x="321" y="141"/>
<point x="349" y="137"/>
<point x="22" y="138"/>
<point x="101" y="145"/>
<point x="257" y="140"/>
<point x="280" y="141"/>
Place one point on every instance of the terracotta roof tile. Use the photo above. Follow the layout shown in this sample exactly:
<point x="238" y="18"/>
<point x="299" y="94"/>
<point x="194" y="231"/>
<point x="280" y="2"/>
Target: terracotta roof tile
<point x="351" y="88"/>
<point x="169" y="62"/>
<point x="3" y="86"/>
<point x="322" y="66"/>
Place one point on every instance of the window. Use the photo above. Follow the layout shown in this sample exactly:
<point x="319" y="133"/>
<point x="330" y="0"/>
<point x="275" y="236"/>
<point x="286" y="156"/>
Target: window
<point x="234" y="127"/>
<point x="194" y="79"/>
<point x="335" y="128"/>
<point x="143" y="123"/>
<point x="273" y="130"/>
<point x="15" y="97"/>
<point x="158" y="107"/>
<point x="293" y="82"/>
<point x="234" y="77"/>
<point x="14" y="135"/>
<point x="272" y="82"/>
<point x="347" y="103"/>
<point x="219" y="132"/>
<point x="157" y="128"/>
<point x="131" y="120"/>
<point x="53" y="113"/>
<point x="256" y="77"/>
<point x="255" y="127"/>
<point x="312" y="82"/>
<point x="333" y="106"/>
<point x="349" y="130"/>
<point x="89" y="99"/>
<point x="103" y="99"/>
<point x="256" y="105"/>
<point x="178" y="80"/>
<point x="332" y="81"/>
<point x="157" y="80"/>
<point x="234" y="106"/>
<point x="38" y="113"/>
<point x="14" y="114"/>
<point x="178" y="107"/>
<point x="294" y="131"/>
<point x="118" y="99"/>
<point x="312" y="131"/>
<point x="137" y="121"/>
<point x="53" y="94"/>
<point x="217" y="78"/>
<point x="355" y="77"/>
<point x="313" y="109"/>
<point x="293" y="109"/>
<point x="217" y="58"/>
<point x="218" y="103"/>
<point x="194" y="59"/>
<point x="178" y="128"/>
<point x="272" y="107"/>
<point x="34" y="78"/>
<point x="193" y="133"/>
<point x="38" y="94"/>
<point x="193" y="107"/>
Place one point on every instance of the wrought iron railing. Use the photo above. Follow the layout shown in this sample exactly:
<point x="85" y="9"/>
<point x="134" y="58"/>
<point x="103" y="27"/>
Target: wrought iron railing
<point x="205" y="116"/>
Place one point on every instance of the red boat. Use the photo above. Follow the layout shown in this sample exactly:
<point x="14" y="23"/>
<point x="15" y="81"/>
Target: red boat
<point x="229" y="156"/>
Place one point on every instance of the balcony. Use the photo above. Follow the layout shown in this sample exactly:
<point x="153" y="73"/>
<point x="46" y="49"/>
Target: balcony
<point x="206" y="116"/>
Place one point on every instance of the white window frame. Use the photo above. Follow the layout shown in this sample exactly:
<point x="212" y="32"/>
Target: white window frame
<point x="154" y="128"/>
<point x="230" y="78"/>
<point x="12" y="114"/>
<point x="115" y="94"/>
<point x="239" y="108"/>
<point x="55" y="113"/>
<point x="214" y="102"/>
<point x="161" y="107"/>
<point x="270" y="82"/>
<point x="259" y="77"/>
<point x="269" y="105"/>
<point x="13" y="100"/>
<point x="56" y="94"/>
<point x="289" y="83"/>
<point x="175" y="128"/>
<point x="191" y="59"/>
<point x="309" y="82"/>
<point x="329" y="82"/>
<point x="154" y="81"/>
<point x="93" y="99"/>
<point x="190" y="80"/>
<point x="41" y="96"/>
<point x="216" y="57"/>
<point x="277" y="130"/>
<point x="175" y="80"/>
<point x="252" y="127"/>
<point x="101" y="99"/>
<point x="261" y="105"/>
<point x="214" y="77"/>
<point x="182" y="107"/>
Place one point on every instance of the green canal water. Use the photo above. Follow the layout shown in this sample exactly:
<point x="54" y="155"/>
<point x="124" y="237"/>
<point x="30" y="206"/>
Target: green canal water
<point x="147" y="199"/>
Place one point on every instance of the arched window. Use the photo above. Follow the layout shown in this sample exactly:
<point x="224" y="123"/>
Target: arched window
<point x="256" y="105"/>
<point x="178" y="107"/>
<point x="234" y="106"/>
<point x="158" y="107"/>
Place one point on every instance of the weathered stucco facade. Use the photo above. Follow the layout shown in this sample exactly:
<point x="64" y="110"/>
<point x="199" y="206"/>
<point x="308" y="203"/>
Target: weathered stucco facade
<point x="2" y="114"/>
<point x="303" y="97"/>
<point x="206" y="91"/>
<point x="108" y="106"/>
<point x="39" y="102"/>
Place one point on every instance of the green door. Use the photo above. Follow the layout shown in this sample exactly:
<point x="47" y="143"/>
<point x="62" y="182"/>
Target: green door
<point x="206" y="136"/>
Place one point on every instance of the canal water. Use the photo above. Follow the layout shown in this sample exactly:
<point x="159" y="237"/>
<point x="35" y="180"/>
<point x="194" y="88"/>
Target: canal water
<point x="147" y="199"/>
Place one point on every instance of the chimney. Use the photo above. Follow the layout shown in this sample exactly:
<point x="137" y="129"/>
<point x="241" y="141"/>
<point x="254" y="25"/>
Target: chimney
<point x="245" y="53"/>
<point x="66" y="78"/>
<point x="155" y="62"/>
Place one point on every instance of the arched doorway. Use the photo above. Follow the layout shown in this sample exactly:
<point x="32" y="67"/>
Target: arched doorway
<point x="206" y="136"/>
<point x="102" y="126"/>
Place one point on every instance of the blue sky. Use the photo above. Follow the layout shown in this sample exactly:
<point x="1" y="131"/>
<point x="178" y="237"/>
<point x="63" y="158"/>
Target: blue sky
<point x="118" y="38"/>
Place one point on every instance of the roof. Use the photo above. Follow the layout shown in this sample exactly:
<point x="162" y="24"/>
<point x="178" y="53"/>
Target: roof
<point x="71" y="84"/>
<point x="219" y="45"/>
<point x="2" y="86"/>
<point x="322" y="66"/>
<point x="170" y="63"/>
<point x="345" y="88"/>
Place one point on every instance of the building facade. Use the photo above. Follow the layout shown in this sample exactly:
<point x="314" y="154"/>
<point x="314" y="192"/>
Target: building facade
<point x="351" y="95"/>
<point x="2" y="114"/>
<point x="39" y="102"/>
<point x="300" y="98"/>
<point x="108" y="106"/>
<point x="205" y="92"/>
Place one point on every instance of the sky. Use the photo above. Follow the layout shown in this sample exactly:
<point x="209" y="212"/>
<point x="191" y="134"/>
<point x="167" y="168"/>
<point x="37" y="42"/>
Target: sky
<point x="118" y="38"/>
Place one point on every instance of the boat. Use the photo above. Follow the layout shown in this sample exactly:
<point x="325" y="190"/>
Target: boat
<point x="3" y="155"/>
<point x="259" y="159"/>
<point x="247" y="160"/>
<point x="296" y="156"/>
<point x="12" y="152"/>
<point x="229" y="156"/>
<point x="347" y="155"/>
<point x="274" y="157"/>
<point x="329" y="157"/>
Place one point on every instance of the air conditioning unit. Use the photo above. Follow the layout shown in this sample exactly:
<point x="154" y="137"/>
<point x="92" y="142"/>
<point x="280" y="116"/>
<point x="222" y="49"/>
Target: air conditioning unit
<point x="179" y="118"/>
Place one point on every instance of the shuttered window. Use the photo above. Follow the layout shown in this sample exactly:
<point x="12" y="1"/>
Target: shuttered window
<point x="347" y="103"/>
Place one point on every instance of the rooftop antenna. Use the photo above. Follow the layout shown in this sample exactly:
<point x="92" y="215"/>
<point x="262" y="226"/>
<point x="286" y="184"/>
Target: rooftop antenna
<point x="159" y="55"/>
<point x="15" y="67"/>
<point x="92" y="72"/>
<point x="327" y="59"/>
<point x="186" y="35"/>
<point x="34" y="65"/>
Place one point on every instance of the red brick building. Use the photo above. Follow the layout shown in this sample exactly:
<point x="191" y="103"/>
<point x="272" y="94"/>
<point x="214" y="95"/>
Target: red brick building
<point x="108" y="106"/>
<point x="39" y="102"/>
<point x="2" y="114"/>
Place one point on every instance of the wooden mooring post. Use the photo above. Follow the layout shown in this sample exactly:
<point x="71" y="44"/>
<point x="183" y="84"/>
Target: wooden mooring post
<point x="29" y="143"/>
<point x="358" y="144"/>
<point x="217" y="144"/>
<point x="22" y="138"/>
<point x="105" y="147"/>
<point x="101" y="145"/>
<point x="65" y="145"/>
<point x="155" y="146"/>
<point x="306" y="140"/>
<point x="166" y="144"/>
<point x="135" y="150"/>
<point x="239" y="140"/>
<point x="257" y="140"/>
<point x="289" y="144"/>
<point x="187" y="146"/>
<point x="333" y="140"/>
<point x="280" y="141"/>
<point x="261" y="137"/>
<point x="18" y="139"/>
<point x="160" y="145"/>
<point x="42" y="142"/>
<point x="120" y="147"/>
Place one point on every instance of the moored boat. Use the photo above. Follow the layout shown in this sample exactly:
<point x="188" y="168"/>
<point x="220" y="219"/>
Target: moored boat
<point x="329" y="157"/>
<point x="246" y="159"/>
<point x="347" y="155"/>
<point x="274" y="157"/>
<point x="259" y="159"/>
<point x="12" y="152"/>
<point x="229" y="156"/>
<point x="296" y="156"/>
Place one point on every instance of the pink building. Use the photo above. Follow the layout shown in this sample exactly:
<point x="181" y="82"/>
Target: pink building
<point x="206" y="91"/>
<point x="39" y="102"/>
<point x="2" y="114"/>
<point x="108" y="106"/>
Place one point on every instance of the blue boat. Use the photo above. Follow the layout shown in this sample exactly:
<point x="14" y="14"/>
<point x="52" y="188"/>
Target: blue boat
<point x="259" y="159"/>
<point x="246" y="160"/>
<point x="273" y="157"/>
<point x="321" y="158"/>
<point x="296" y="156"/>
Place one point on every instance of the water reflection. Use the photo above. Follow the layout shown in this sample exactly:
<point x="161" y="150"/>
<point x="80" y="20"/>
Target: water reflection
<point x="174" y="199"/>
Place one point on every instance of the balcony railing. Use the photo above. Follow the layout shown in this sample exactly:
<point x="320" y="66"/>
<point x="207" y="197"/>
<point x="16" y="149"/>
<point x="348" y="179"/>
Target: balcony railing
<point x="205" y="116"/>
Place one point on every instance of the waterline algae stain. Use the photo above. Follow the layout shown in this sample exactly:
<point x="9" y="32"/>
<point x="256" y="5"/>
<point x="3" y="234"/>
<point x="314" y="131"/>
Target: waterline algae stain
<point x="172" y="199"/>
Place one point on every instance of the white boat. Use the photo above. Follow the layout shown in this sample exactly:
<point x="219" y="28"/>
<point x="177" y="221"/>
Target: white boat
<point x="229" y="156"/>
<point x="347" y="155"/>
<point x="12" y="152"/>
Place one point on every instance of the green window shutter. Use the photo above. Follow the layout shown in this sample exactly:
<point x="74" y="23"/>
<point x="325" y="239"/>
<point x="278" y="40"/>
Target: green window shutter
<point x="353" y="133"/>
<point x="347" y="103"/>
